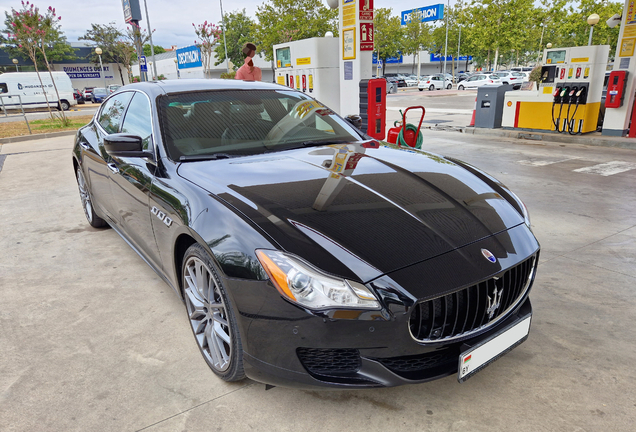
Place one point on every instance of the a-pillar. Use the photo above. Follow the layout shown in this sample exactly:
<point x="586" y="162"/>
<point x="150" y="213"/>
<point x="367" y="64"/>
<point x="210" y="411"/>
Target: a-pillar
<point x="356" y="34"/>
<point x="616" y="122"/>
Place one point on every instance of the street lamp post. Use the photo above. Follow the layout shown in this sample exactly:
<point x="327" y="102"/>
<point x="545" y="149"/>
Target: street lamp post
<point x="98" y="51"/>
<point x="152" y="47"/>
<point x="543" y="26"/>
<point x="446" y="43"/>
<point x="177" y="67"/>
<point x="15" y="62"/>
<point x="592" y="20"/>
<point x="227" y="60"/>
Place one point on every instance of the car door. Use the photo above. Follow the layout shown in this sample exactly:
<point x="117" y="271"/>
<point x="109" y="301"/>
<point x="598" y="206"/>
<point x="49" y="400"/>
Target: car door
<point x="94" y="157"/>
<point x="131" y="179"/>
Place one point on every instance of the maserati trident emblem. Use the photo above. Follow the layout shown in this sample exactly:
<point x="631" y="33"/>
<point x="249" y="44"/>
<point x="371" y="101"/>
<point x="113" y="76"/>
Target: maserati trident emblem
<point x="494" y="302"/>
<point x="488" y="255"/>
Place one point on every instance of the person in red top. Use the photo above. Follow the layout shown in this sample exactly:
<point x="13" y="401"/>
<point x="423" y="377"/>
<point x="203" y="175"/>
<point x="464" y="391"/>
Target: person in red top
<point x="248" y="71"/>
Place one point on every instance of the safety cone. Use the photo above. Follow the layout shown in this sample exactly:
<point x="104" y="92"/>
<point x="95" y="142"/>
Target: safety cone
<point x="472" y="120"/>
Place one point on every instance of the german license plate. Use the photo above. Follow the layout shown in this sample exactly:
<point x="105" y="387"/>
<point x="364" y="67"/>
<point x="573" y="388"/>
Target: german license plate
<point x="478" y="357"/>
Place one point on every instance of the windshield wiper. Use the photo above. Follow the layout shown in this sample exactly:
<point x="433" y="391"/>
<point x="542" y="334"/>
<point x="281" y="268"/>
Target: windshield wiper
<point x="323" y="142"/>
<point x="194" y="158"/>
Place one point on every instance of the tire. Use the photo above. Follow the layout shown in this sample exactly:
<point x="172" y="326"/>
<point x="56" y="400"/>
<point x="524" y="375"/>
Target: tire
<point x="431" y="88"/>
<point x="450" y="86"/>
<point x="460" y="87"/>
<point x="65" y="105"/>
<point x="211" y="316"/>
<point x="87" y="202"/>
<point x="420" y="89"/>
<point x="505" y="83"/>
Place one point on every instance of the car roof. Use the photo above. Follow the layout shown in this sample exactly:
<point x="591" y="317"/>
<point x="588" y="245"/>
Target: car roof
<point x="157" y="88"/>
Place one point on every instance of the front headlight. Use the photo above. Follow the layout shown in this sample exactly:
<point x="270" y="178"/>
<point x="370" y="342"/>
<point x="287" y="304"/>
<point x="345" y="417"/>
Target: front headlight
<point x="309" y="287"/>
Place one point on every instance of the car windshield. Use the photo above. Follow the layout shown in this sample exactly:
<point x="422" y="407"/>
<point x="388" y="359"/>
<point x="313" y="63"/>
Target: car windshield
<point x="226" y="123"/>
<point x="99" y="90"/>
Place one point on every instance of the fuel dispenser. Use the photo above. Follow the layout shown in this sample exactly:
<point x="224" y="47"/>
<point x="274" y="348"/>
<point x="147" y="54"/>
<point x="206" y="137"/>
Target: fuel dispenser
<point x="568" y="99"/>
<point x="311" y="66"/>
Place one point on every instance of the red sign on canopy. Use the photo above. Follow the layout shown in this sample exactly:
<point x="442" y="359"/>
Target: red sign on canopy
<point x="366" y="10"/>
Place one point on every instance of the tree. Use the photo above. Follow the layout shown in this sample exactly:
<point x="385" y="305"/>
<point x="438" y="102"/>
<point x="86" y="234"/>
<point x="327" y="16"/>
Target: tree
<point x="209" y="35"/>
<point x="239" y="29"/>
<point x="31" y="32"/>
<point x="417" y="36"/>
<point x="158" y="50"/>
<point x="110" y="39"/>
<point x="285" y="20"/>
<point x="387" y="34"/>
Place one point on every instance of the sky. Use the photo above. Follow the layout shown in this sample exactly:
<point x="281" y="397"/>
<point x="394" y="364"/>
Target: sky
<point x="172" y="19"/>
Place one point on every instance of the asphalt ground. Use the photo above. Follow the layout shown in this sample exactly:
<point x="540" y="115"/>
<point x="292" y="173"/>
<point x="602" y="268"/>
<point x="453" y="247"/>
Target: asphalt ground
<point x="91" y="339"/>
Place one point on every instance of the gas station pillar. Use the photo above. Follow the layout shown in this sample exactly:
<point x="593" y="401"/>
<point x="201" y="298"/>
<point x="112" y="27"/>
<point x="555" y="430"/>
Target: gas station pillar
<point x="356" y="51"/>
<point x="616" y="122"/>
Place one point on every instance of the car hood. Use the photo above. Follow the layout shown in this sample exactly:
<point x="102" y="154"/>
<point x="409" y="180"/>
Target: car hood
<point x="371" y="208"/>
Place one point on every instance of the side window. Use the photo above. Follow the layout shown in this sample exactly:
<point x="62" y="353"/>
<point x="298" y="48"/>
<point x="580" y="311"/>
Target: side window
<point x="113" y="109"/>
<point x="3" y="88"/>
<point x="138" y="120"/>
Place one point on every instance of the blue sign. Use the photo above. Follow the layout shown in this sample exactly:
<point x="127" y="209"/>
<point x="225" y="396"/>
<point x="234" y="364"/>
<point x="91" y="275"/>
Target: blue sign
<point x="189" y="57"/>
<point x="423" y="14"/>
<point x="143" y="66"/>
<point x="439" y="57"/>
<point x="390" y="60"/>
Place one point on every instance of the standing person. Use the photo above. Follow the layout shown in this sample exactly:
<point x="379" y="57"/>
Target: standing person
<point x="248" y="71"/>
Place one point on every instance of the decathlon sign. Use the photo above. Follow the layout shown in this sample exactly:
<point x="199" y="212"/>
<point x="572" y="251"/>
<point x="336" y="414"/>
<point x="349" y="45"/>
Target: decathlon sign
<point x="189" y="57"/>
<point x="423" y="14"/>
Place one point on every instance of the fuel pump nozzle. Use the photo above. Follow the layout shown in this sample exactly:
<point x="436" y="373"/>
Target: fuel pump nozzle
<point x="580" y="94"/>
<point x="557" y="122"/>
<point x="569" y="120"/>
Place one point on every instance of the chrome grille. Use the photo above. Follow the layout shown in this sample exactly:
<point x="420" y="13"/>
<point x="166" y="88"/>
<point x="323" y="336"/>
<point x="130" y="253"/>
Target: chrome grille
<point x="467" y="311"/>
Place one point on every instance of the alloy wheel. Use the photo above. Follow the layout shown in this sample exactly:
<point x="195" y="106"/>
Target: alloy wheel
<point x="208" y="314"/>
<point x="84" y="195"/>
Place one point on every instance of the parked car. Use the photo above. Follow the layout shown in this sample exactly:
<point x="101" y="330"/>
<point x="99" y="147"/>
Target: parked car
<point x="411" y="81"/>
<point x="509" y="77"/>
<point x="87" y="92"/>
<point x="113" y="88"/>
<point x="462" y="76"/>
<point x="79" y="98"/>
<point x="99" y="94"/>
<point x="255" y="205"/>
<point x="435" y="82"/>
<point x="478" y="81"/>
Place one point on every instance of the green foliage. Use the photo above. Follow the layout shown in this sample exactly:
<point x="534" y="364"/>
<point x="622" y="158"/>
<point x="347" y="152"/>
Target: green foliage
<point x="158" y="50"/>
<point x="286" y="20"/>
<point x="208" y="35"/>
<point x="230" y="75"/>
<point x="239" y="29"/>
<point x="388" y="34"/>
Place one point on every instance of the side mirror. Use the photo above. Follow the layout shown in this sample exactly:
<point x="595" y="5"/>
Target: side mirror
<point x="124" y="145"/>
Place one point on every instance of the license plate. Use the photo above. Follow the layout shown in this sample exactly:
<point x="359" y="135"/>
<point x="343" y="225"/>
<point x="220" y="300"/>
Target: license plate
<point x="476" y="358"/>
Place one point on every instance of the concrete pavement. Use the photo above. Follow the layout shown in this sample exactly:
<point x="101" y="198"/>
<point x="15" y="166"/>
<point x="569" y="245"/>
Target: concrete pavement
<point x="91" y="339"/>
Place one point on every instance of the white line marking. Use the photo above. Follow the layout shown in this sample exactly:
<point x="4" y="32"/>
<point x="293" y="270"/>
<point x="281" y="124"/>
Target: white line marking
<point x="608" y="169"/>
<point x="543" y="162"/>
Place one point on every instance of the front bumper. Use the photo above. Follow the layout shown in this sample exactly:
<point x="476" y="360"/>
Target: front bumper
<point x="374" y="370"/>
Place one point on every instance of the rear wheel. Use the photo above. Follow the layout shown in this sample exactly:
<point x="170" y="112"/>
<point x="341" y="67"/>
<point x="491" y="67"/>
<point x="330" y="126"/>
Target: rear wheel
<point x="87" y="203"/>
<point x="421" y="89"/>
<point x="431" y="88"/>
<point x="211" y="317"/>
<point x="450" y="86"/>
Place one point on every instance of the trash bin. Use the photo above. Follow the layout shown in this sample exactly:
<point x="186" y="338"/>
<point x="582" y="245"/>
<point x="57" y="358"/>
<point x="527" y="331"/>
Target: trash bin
<point x="490" y="103"/>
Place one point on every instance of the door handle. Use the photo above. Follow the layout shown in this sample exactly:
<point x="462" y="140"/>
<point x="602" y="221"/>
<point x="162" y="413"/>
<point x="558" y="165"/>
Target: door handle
<point x="84" y="145"/>
<point x="113" y="168"/>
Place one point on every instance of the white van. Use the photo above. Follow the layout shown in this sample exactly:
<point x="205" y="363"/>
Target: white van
<point x="27" y="85"/>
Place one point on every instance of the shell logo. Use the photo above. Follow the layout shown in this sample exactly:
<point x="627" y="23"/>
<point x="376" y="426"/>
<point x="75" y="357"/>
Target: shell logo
<point x="509" y="104"/>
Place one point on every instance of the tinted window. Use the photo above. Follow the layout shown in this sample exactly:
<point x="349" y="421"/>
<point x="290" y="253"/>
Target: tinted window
<point x="3" y="88"/>
<point x="138" y="119"/>
<point x="240" y="123"/>
<point x="113" y="109"/>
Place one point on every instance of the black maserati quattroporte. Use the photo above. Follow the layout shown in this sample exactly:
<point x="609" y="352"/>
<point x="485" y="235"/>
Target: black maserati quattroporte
<point x="306" y="253"/>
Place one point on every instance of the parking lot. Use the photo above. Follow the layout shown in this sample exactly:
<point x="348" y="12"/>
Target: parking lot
<point x="92" y="339"/>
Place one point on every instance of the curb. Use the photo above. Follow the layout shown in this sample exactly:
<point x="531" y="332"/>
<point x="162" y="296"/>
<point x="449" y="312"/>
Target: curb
<point x="23" y="138"/>
<point x="599" y="141"/>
